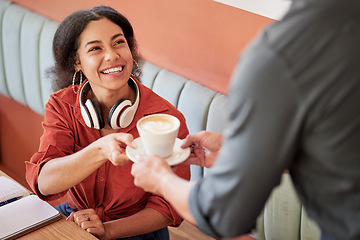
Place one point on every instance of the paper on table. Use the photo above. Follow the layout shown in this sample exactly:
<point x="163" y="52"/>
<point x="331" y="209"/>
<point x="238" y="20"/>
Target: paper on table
<point x="10" y="189"/>
<point x="24" y="215"/>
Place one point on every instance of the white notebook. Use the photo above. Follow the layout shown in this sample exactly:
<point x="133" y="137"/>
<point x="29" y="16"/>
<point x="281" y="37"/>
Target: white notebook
<point x="10" y="189"/>
<point x="25" y="214"/>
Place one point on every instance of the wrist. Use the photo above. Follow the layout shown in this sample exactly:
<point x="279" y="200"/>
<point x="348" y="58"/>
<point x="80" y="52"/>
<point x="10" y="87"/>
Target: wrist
<point x="97" y="152"/>
<point x="167" y="182"/>
<point x="165" y="179"/>
<point x="108" y="232"/>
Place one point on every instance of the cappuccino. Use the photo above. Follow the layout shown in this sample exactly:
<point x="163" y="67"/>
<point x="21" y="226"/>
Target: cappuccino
<point x="158" y="133"/>
<point x="158" y="124"/>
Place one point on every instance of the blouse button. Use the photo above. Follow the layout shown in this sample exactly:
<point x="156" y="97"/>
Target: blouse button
<point x="101" y="179"/>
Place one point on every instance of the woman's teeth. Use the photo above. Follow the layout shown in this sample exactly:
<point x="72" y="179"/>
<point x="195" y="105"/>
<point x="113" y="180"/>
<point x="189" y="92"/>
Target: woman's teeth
<point x="113" y="70"/>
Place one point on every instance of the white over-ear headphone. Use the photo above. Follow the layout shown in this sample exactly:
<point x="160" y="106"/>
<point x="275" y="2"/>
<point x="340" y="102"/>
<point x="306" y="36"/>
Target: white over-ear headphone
<point x="120" y="115"/>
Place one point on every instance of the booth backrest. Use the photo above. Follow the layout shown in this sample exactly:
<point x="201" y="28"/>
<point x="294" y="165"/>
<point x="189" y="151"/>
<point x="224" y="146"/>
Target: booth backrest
<point x="26" y="53"/>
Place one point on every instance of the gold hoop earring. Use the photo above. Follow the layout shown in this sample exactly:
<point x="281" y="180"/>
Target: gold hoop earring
<point x="138" y="69"/>
<point x="73" y="81"/>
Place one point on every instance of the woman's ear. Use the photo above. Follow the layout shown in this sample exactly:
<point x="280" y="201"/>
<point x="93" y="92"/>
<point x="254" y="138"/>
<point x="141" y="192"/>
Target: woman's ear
<point x="77" y="64"/>
<point x="77" y="67"/>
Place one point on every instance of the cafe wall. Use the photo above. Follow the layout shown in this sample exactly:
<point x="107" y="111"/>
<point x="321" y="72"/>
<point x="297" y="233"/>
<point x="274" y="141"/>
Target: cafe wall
<point x="198" y="39"/>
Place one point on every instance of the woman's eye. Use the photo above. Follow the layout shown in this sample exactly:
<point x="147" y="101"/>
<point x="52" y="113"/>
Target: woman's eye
<point x="119" y="42"/>
<point x="93" y="49"/>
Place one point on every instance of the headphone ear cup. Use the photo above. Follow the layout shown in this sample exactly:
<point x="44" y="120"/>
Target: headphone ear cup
<point x="127" y="117"/>
<point x="86" y="116"/>
<point x="115" y="114"/>
<point x="95" y="114"/>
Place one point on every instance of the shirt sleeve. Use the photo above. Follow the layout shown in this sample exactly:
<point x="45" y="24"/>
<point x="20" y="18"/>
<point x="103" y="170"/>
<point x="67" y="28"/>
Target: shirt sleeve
<point x="56" y="130"/>
<point x="258" y="145"/>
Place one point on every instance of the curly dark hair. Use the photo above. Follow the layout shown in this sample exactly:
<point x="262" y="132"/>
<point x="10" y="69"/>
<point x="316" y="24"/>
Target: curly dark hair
<point x="66" y="41"/>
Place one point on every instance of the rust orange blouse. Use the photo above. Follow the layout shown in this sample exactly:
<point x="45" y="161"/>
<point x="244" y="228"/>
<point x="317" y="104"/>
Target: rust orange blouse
<point x="110" y="190"/>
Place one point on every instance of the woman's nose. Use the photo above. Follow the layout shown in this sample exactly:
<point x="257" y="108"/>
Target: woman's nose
<point x="111" y="55"/>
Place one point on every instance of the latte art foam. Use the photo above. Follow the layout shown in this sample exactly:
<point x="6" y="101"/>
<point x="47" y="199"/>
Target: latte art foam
<point x="154" y="126"/>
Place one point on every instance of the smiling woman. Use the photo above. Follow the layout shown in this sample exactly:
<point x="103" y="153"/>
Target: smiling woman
<point x="88" y="123"/>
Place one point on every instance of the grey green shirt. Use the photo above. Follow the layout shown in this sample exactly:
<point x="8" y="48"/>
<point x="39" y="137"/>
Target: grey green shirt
<point x="294" y="103"/>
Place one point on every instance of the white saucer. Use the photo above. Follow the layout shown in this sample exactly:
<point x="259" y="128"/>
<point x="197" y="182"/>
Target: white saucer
<point x="179" y="154"/>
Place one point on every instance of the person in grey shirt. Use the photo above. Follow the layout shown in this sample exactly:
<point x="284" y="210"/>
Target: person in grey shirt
<point x="294" y="103"/>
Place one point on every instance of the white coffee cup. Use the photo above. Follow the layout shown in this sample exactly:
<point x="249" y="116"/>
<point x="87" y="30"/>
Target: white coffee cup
<point x="158" y="133"/>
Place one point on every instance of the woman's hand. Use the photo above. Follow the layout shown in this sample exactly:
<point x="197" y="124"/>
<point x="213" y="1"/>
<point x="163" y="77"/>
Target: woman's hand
<point x="204" y="148"/>
<point x="87" y="219"/>
<point x="112" y="147"/>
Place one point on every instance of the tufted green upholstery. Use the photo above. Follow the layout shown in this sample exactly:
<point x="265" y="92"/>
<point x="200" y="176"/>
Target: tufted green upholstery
<point x="192" y="99"/>
<point x="25" y="54"/>
<point x="26" y="39"/>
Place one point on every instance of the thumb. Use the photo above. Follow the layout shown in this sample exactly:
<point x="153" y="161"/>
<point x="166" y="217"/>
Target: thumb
<point x="115" y="155"/>
<point x="126" y="139"/>
<point x="189" y="141"/>
<point x="118" y="158"/>
<point x="70" y="217"/>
